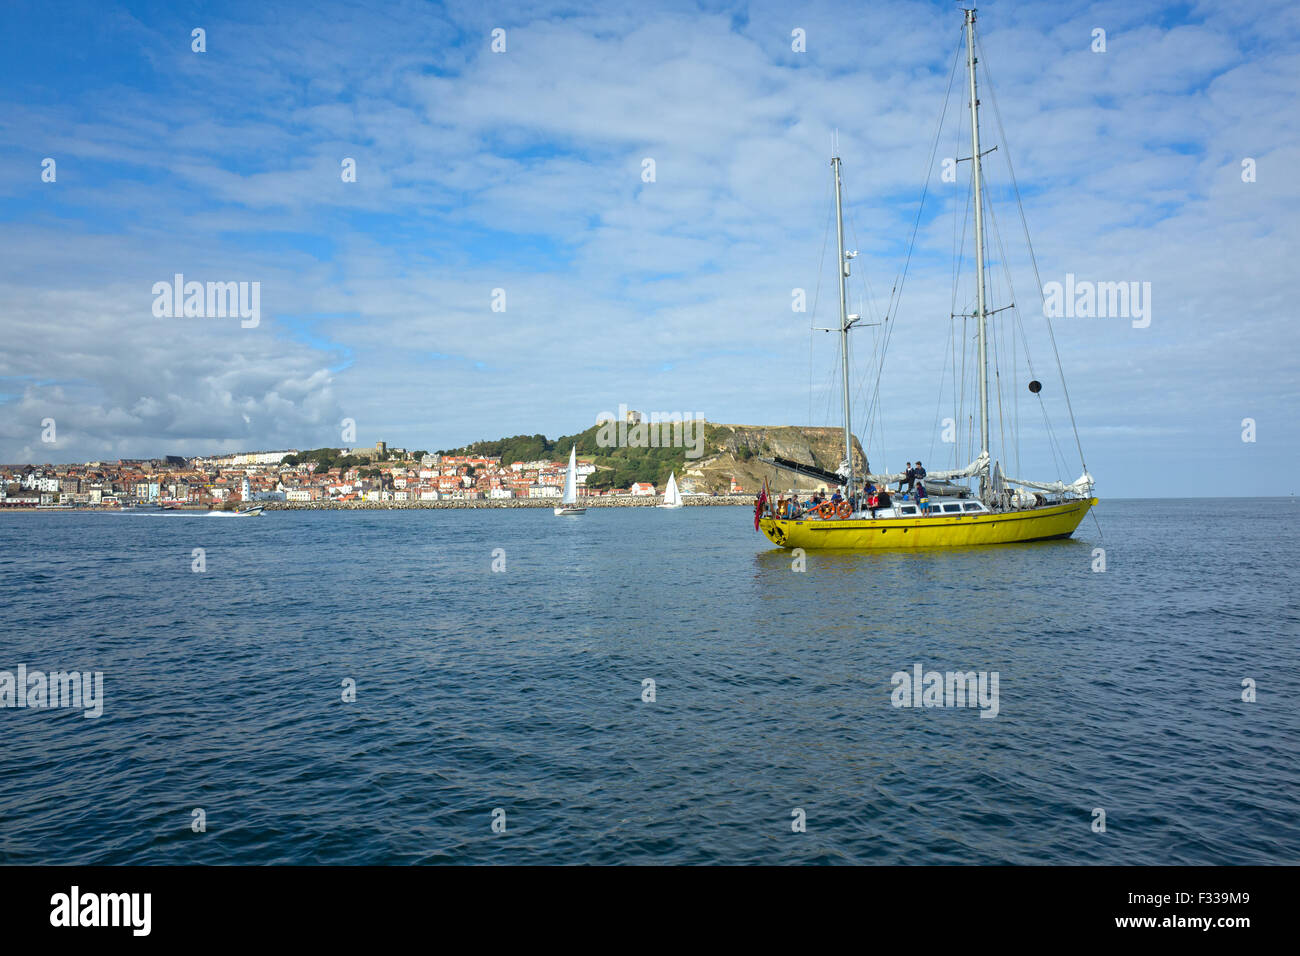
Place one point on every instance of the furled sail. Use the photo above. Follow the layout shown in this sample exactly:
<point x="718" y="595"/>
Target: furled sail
<point x="1081" y="486"/>
<point x="977" y="467"/>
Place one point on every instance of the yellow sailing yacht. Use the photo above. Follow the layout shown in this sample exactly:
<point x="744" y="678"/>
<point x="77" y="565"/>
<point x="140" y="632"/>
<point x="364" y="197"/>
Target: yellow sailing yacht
<point x="865" y="513"/>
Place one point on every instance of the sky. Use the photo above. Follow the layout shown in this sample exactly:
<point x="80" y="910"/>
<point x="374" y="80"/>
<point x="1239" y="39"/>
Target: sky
<point x="518" y="179"/>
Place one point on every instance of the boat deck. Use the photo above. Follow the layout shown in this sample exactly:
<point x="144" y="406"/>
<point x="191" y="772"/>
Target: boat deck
<point x="939" y="506"/>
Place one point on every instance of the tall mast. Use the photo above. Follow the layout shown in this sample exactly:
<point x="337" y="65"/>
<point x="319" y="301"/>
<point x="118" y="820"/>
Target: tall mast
<point x="982" y="313"/>
<point x="844" y="326"/>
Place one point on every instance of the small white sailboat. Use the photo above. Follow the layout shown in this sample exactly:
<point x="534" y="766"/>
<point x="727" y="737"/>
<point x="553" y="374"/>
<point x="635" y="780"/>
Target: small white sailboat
<point x="569" y="504"/>
<point x="672" y="497"/>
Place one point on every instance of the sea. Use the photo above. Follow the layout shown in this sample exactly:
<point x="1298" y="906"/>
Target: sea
<point x="643" y="686"/>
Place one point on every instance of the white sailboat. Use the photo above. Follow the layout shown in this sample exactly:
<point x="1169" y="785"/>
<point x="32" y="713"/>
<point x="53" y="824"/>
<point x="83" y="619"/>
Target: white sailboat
<point x="569" y="504"/>
<point x="672" y="497"/>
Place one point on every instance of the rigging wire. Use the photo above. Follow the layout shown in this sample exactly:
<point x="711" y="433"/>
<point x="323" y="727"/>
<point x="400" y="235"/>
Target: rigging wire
<point x="1061" y="469"/>
<point x="817" y="291"/>
<point x="896" y="293"/>
<point x="1032" y="257"/>
<point x="958" y="258"/>
<point x="871" y="413"/>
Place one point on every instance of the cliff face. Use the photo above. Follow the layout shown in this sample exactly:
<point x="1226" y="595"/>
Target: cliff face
<point x="734" y="451"/>
<point x="728" y="451"/>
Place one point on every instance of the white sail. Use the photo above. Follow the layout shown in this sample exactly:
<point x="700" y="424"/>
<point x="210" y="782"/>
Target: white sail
<point x="571" y="478"/>
<point x="672" y="497"/>
<point x="569" y="505"/>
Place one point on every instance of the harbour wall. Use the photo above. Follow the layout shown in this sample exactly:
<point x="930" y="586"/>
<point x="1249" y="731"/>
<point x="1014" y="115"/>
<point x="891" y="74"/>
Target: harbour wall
<point x="602" y="502"/>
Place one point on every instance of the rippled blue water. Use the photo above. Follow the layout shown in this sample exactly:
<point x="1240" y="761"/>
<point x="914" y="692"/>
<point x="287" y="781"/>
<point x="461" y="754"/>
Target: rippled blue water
<point x="521" y="690"/>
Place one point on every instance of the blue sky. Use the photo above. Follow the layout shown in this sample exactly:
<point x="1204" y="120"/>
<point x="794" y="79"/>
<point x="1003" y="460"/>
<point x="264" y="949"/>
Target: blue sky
<point x="522" y="171"/>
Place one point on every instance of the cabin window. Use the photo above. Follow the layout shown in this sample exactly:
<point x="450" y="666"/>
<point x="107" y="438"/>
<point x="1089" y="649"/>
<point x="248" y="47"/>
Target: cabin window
<point x="972" y="506"/>
<point x="948" y="508"/>
<point x="909" y="510"/>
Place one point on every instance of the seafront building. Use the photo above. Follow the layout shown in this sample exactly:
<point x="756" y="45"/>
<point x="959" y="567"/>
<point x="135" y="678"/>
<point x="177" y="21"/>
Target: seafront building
<point x="387" y="475"/>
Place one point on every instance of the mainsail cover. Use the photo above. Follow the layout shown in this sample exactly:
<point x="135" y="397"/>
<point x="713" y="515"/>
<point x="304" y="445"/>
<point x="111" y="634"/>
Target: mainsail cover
<point x="808" y="471"/>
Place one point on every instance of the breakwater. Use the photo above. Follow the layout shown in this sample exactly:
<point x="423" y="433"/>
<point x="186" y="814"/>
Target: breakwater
<point x="701" y="501"/>
<point x="647" y="501"/>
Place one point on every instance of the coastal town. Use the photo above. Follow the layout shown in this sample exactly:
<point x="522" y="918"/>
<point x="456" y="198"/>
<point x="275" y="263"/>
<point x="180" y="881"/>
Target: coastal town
<point x="379" y="476"/>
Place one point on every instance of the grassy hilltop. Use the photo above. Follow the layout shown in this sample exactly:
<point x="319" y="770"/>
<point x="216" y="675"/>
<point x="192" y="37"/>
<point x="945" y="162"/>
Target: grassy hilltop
<point x="617" y="467"/>
<point x="727" y="451"/>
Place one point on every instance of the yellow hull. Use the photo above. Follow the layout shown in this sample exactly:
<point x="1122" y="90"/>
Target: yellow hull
<point x="947" y="531"/>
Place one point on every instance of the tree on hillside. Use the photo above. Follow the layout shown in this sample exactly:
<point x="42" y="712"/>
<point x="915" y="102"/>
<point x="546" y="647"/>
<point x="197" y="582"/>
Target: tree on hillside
<point x="618" y="466"/>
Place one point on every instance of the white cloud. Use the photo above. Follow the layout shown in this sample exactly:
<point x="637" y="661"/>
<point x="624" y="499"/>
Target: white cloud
<point x="522" y="171"/>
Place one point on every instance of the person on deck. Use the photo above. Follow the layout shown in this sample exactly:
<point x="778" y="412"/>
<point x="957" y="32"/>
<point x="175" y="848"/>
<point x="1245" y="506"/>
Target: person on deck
<point x="921" y="499"/>
<point x="909" y="479"/>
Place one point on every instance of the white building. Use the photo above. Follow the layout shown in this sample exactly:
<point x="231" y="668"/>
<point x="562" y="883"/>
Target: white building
<point x="252" y="458"/>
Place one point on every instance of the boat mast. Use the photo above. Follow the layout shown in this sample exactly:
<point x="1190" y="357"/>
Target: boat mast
<point x="844" y="326"/>
<point x="982" y="313"/>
